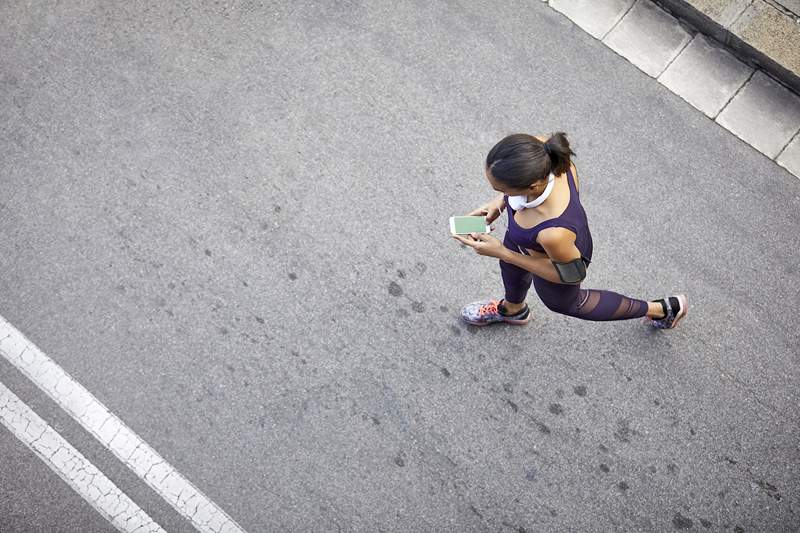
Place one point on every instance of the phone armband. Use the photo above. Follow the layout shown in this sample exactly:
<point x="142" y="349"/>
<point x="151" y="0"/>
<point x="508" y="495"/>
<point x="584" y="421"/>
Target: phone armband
<point x="571" y="272"/>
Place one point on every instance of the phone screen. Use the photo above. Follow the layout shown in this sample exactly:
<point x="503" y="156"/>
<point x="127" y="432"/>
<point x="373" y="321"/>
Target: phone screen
<point x="465" y="225"/>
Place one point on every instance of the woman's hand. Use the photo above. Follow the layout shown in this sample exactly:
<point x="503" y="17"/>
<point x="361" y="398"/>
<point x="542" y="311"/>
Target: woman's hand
<point x="483" y="243"/>
<point x="491" y="210"/>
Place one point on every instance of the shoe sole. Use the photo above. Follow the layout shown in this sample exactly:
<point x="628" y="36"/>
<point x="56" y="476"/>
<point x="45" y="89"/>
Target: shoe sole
<point x="507" y="321"/>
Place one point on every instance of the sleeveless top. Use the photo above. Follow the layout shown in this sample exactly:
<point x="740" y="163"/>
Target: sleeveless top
<point x="573" y="218"/>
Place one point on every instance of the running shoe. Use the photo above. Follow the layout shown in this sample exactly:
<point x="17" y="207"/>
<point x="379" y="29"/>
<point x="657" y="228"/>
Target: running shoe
<point x="488" y="311"/>
<point x="677" y="308"/>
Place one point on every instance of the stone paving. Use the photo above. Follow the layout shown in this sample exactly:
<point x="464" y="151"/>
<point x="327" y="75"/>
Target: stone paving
<point x="647" y="37"/>
<point x="763" y="114"/>
<point x="706" y="76"/>
<point x="766" y="33"/>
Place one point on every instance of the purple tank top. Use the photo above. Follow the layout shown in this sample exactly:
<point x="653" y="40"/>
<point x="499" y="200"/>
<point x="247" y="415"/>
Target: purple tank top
<point x="573" y="218"/>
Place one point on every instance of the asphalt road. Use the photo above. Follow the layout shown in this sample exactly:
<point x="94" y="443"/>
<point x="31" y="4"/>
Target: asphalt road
<point x="228" y="221"/>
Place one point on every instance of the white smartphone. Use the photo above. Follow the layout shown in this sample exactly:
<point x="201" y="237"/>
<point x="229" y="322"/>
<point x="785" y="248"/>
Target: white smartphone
<point x="467" y="225"/>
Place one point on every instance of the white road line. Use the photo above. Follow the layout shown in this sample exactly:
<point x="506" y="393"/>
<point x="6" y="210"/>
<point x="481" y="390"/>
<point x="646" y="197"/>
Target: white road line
<point x="137" y="455"/>
<point x="73" y="467"/>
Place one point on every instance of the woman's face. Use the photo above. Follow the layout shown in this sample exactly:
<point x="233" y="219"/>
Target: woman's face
<point x="535" y="189"/>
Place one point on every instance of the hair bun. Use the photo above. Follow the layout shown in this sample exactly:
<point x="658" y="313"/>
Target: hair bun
<point x="547" y="149"/>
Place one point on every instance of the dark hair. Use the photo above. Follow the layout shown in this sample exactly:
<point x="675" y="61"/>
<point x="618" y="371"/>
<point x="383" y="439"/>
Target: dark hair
<point x="520" y="160"/>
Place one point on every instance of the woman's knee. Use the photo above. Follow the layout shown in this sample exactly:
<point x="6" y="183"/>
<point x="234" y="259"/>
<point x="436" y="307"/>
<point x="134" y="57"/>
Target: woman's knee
<point x="563" y="307"/>
<point x="559" y="298"/>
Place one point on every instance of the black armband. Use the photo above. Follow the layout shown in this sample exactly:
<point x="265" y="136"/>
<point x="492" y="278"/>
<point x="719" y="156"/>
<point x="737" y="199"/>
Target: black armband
<point x="572" y="272"/>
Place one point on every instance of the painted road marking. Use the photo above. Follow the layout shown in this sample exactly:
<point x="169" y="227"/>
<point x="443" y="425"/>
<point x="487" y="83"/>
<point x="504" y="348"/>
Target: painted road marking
<point x="136" y="454"/>
<point x="73" y="467"/>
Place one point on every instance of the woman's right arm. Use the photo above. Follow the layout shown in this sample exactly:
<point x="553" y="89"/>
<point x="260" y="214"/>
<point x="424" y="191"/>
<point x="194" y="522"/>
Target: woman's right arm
<point x="491" y="209"/>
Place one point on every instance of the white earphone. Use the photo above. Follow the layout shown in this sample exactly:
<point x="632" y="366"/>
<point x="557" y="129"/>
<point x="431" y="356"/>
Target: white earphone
<point x="520" y="202"/>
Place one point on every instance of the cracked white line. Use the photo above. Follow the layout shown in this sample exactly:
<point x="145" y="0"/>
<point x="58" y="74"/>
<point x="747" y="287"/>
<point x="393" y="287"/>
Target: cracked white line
<point x="75" y="469"/>
<point x="110" y="431"/>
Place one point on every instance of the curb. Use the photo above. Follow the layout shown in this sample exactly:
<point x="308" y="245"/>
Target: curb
<point x="739" y="96"/>
<point x="685" y="11"/>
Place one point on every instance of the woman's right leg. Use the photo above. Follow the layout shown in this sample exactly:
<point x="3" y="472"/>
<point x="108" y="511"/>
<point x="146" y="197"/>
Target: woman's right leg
<point x="516" y="280"/>
<point x="512" y="309"/>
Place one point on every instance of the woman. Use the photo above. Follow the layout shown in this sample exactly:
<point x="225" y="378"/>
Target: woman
<point x="548" y="241"/>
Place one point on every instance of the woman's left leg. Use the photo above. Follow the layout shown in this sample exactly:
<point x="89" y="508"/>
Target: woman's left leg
<point x="588" y="304"/>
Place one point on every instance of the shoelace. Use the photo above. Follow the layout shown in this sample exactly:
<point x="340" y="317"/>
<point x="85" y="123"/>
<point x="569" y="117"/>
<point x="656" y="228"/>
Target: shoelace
<point x="491" y="307"/>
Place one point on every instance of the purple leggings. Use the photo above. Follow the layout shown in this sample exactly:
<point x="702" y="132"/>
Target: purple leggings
<point x="571" y="300"/>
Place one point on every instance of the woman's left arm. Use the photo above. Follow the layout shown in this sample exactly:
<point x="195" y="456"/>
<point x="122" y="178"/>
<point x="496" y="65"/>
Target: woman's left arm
<point x="559" y="243"/>
<point x="541" y="266"/>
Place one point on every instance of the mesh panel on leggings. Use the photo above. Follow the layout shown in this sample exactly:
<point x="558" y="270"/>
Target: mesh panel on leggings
<point x="589" y="300"/>
<point x="608" y="305"/>
<point x="624" y="309"/>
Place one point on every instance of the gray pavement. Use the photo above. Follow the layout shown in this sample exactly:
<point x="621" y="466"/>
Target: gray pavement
<point x="229" y="223"/>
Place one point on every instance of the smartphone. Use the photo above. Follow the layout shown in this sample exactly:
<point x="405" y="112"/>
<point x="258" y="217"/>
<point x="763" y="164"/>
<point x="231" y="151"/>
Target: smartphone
<point x="465" y="225"/>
